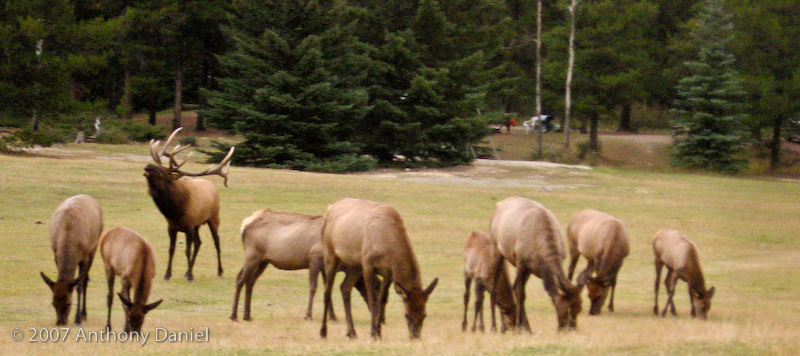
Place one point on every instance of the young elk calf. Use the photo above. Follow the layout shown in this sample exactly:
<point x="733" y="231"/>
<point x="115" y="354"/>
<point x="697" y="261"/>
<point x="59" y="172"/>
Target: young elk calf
<point x="128" y="255"/>
<point x="486" y="267"/>
<point x="679" y="254"/>
<point x="602" y="240"/>
<point x="74" y="229"/>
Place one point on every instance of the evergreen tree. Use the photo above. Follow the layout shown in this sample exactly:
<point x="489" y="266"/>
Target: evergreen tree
<point x="285" y="89"/>
<point x="710" y="99"/>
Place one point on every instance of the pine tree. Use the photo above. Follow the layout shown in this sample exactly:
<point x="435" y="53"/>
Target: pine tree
<point x="287" y="91"/>
<point x="709" y="104"/>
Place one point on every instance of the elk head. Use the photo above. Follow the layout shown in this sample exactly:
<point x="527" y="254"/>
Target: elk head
<point x="158" y="176"/>
<point x="701" y="302"/>
<point x="415" y="300"/>
<point x="597" y="289"/>
<point x="135" y="312"/>
<point x="568" y="305"/>
<point x="62" y="297"/>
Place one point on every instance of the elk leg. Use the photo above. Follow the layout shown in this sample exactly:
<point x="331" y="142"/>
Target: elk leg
<point x="350" y="279"/>
<point x="314" y="270"/>
<point x="384" y="295"/>
<point x="573" y="262"/>
<point x="110" y="298"/>
<point x="239" y="285"/>
<point x="519" y="291"/>
<point x="192" y="239"/>
<point x="331" y="265"/>
<point x="331" y="313"/>
<point x="213" y="226"/>
<point x="80" y="286"/>
<point x="691" y="302"/>
<point x="613" y="288"/>
<point x="659" y="266"/>
<point x="173" y="237"/>
<point x="467" y="285"/>
<point x="86" y="285"/>
<point x="492" y="303"/>
<point x="250" y="281"/>
<point x="479" y="290"/>
<point x="669" y="284"/>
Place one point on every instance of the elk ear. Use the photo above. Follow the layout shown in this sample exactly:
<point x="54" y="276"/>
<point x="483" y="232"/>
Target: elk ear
<point x="152" y="306"/>
<point x="430" y="288"/>
<point x="47" y="280"/>
<point x="401" y="291"/>
<point x="710" y="293"/>
<point x="125" y="300"/>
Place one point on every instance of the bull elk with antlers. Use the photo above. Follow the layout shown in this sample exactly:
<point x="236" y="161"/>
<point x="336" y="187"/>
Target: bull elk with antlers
<point x="186" y="202"/>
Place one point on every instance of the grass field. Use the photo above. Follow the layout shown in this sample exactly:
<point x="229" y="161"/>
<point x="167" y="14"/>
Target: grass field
<point x="746" y="230"/>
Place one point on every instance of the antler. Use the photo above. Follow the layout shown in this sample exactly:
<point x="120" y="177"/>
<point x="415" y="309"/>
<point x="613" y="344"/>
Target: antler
<point x="221" y="169"/>
<point x="174" y="166"/>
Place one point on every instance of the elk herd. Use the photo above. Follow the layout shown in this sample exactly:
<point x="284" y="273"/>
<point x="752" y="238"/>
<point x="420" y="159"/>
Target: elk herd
<point x="369" y="243"/>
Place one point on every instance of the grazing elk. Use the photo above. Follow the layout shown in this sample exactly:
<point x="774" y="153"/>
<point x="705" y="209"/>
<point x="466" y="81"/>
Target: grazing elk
<point x="679" y="254"/>
<point x="287" y="241"/>
<point x="74" y="229"/>
<point x="528" y="236"/>
<point x="602" y="240"/>
<point x="187" y="203"/>
<point x="128" y="255"/>
<point x="482" y="261"/>
<point x="365" y="238"/>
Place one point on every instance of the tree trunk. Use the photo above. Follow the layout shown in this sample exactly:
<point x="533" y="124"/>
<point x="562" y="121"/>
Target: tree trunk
<point x="176" y="119"/>
<point x="594" y="143"/>
<point x="152" y="115"/>
<point x="570" y="66"/>
<point x="775" y="145"/>
<point x="625" y="119"/>
<point x="127" y="95"/>
<point x="539" y="73"/>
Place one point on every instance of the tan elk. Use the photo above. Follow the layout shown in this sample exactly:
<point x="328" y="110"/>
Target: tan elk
<point x="528" y="236"/>
<point x="679" y="254"/>
<point x="74" y="229"/>
<point x="368" y="239"/>
<point x="187" y="203"/>
<point x="481" y="264"/>
<point x="288" y="242"/>
<point x="603" y="241"/>
<point x="128" y="255"/>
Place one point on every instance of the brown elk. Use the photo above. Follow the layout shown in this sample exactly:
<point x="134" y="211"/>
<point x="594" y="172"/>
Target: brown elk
<point x="679" y="254"/>
<point x="74" y="229"/>
<point x="128" y="255"/>
<point x="187" y="203"/>
<point x="288" y="242"/>
<point x="482" y="261"/>
<point x="603" y="241"/>
<point x="528" y="236"/>
<point x="367" y="239"/>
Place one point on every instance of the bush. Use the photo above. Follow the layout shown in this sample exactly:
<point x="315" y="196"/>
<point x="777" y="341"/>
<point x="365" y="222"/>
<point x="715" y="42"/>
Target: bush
<point x="112" y="135"/>
<point x="140" y="132"/>
<point x="188" y="141"/>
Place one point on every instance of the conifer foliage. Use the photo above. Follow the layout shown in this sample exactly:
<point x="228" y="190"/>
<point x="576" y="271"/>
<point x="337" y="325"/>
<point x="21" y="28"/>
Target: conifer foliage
<point x="325" y="86"/>
<point x="709" y="104"/>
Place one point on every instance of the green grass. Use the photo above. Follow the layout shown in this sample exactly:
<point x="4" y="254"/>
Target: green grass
<point x="746" y="230"/>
